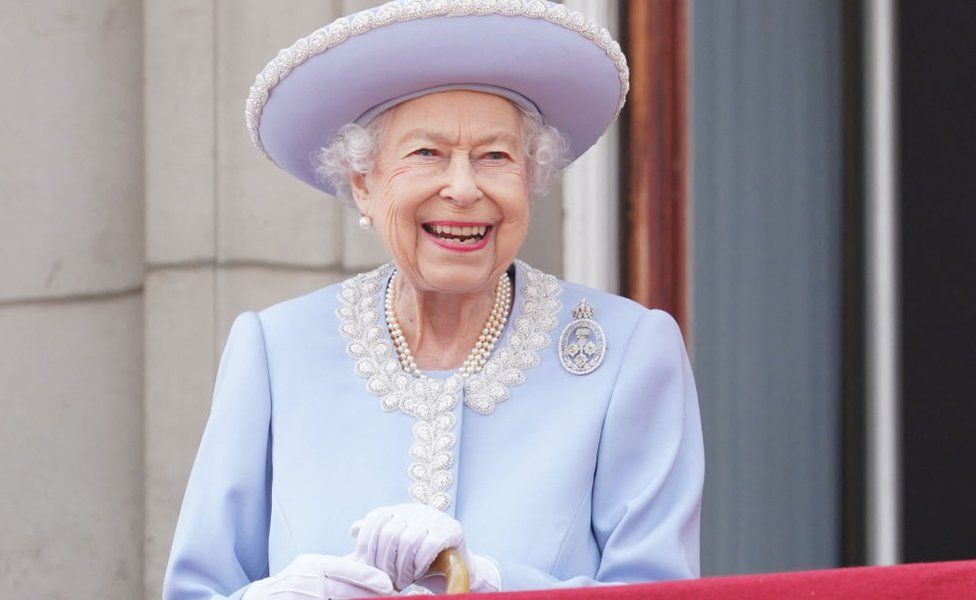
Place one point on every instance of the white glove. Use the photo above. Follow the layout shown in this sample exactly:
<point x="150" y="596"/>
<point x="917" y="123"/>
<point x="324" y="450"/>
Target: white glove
<point x="321" y="577"/>
<point x="403" y="540"/>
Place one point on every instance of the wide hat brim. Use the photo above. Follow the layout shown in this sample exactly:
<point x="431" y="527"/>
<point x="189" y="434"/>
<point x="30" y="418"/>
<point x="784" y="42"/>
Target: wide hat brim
<point x="568" y="67"/>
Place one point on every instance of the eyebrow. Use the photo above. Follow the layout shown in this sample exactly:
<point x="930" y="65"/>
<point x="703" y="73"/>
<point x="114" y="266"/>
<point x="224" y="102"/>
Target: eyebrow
<point x="440" y="138"/>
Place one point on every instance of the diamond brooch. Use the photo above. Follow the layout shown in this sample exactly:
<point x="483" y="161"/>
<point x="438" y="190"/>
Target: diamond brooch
<point x="582" y="344"/>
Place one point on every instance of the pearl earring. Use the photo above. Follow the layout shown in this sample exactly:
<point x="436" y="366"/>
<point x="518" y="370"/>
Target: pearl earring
<point x="365" y="223"/>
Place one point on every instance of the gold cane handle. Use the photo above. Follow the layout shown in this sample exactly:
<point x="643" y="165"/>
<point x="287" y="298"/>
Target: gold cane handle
<point x="450" y="564"/>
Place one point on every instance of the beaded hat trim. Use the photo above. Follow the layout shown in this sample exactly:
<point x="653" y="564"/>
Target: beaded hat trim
<point x="399" y="11"/>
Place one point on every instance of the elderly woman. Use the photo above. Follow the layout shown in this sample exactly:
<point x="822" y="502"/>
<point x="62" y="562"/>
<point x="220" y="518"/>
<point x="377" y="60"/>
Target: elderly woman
<point x="457" y="397"/>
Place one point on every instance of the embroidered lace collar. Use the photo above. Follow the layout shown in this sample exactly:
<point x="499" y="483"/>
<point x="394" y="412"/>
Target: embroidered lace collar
<point x="432" y="401"/>
<point x="529" y="331"/>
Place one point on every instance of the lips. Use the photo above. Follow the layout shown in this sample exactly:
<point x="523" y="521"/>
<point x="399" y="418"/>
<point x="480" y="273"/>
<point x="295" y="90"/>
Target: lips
<point x="458" y="235"/>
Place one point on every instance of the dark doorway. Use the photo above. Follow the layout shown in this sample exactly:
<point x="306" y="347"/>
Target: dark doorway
<point x="937" y="105"/>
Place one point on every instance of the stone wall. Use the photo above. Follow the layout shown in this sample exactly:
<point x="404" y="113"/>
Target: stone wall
<point x="71" y="301"/>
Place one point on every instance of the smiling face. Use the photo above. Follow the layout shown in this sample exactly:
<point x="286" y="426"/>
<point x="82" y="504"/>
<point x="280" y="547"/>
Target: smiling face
<point x="449" y="193"/>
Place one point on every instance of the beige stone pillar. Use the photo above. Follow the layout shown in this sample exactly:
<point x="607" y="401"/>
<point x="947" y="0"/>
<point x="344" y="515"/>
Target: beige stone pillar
<point x="180" y="336"/>
<point x="71" y="241"/>
<point x="226" y="230"/>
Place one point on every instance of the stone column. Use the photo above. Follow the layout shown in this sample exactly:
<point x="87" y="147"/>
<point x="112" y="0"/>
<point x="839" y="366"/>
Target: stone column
<point x="226" y="231"/>
<point x="71" y="238"/>
<point x="179" y="324"/>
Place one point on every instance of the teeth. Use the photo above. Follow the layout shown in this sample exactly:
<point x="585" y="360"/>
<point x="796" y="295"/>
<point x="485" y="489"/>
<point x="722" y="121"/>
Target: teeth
<point x="454" y="230"/>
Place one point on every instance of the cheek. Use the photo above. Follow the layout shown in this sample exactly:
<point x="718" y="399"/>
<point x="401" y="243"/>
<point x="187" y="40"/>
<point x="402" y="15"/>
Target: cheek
<point x="401" y="195"/>
<point x="398" y="226"/>
<point x="512" y="196"/>
<point x="516" y="215"/>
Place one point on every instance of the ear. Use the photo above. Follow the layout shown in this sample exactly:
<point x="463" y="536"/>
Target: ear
<point x="360" y="193"/>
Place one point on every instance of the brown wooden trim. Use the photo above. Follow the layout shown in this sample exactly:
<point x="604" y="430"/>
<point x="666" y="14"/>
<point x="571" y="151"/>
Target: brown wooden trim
<point x="655" y="150"/>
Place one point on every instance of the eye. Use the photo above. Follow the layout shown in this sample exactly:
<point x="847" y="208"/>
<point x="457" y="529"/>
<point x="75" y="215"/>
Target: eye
<point x="424" y="152"/>
<point x="496" y="155"/>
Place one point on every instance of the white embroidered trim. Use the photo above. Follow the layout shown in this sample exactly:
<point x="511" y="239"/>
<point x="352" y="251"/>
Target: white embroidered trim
<point x="408" y="10"/>
<point x="505" y="368"/>
<point x="432" y="401"/>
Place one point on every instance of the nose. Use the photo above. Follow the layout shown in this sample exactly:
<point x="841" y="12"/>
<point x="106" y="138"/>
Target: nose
<point x="461" y="188"/>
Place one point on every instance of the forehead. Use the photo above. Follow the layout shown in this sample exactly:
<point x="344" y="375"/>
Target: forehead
<point x="452" y="114"/>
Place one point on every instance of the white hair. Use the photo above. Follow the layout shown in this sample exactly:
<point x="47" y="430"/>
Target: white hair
<point x="353" y="149"/>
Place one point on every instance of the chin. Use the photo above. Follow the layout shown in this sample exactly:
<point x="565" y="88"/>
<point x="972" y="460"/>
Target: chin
<point x="460" y="278"/>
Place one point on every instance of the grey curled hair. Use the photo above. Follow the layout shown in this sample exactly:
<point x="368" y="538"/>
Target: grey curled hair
<point x="352" y="150"/>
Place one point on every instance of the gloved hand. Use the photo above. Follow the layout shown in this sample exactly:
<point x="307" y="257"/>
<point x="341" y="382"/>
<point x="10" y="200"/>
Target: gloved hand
<point x="404" y="539"/>
<point x="320" y="577"/>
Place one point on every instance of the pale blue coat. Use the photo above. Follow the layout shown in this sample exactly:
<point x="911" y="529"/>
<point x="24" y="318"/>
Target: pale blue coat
<point x="562" y="479"/>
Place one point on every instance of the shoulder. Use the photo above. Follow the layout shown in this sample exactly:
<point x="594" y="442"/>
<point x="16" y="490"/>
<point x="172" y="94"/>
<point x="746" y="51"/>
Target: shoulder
<point x="636" y="339"/>
<point x="302" y="308"/>
<point x="320" y="305"/>
<point x="626" y="321"/>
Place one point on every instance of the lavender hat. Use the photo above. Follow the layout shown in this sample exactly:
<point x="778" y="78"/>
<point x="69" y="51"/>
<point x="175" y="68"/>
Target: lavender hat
<point x="538" y="54"/>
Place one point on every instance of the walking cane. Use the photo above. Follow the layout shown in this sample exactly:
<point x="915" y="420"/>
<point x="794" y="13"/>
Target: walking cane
<point x="450" y="564"/>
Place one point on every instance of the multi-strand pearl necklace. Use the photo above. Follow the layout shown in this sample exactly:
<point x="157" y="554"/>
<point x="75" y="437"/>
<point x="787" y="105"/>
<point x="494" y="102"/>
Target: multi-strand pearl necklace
<point x="486" y="341"/>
